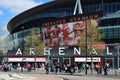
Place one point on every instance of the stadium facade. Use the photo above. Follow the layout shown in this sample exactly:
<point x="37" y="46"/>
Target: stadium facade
<point x="54" y="27"/>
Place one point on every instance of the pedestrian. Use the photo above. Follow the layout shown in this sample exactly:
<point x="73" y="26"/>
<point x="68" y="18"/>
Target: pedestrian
<point x="10" y="66"/>
<point x="29" y="67"/>
<point x="47" y="68"/>
<point x="97" y="68"/>
<point x="105" y="69"/>
<point x="19" y="66"/>
<point x="5" y="67"/>
<point x="43" y="66"/>
<point x="57" y="68"/>
<point x="65" y="68"/>
<point x="72" y="69"/>
<point x="1" y="66"/>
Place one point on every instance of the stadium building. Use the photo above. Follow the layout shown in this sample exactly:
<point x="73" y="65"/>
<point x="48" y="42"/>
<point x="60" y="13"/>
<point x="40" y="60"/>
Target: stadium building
<point x="62" y="31"/>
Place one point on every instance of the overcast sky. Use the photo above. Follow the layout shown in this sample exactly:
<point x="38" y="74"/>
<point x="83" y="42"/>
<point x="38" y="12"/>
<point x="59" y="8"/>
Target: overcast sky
<point x="11" y="8"/>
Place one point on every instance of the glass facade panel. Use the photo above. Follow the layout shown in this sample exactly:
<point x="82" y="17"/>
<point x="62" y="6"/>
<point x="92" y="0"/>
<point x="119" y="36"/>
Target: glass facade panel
<point x="17" y="40"/>
<point x="110" y="22"/>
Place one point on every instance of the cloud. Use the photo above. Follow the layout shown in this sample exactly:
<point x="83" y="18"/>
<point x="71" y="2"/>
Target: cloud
<point x="18" y="6"/>
<point x="2" y="37"/>
<point x="3" y="32"/>
<point x="1" y="13"/>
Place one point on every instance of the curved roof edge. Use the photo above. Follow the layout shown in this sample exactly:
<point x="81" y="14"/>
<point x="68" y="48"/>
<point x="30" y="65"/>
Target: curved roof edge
<point x="26" y="13"/>
<point x="40" y="8"/>
<point x="46" y="6"/>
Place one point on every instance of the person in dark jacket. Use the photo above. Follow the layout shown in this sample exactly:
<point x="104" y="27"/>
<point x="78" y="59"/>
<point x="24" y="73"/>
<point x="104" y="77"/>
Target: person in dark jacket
<point x="47" y="68"/>
<point x="105" y="69"/>
<point x="57" y="68"/>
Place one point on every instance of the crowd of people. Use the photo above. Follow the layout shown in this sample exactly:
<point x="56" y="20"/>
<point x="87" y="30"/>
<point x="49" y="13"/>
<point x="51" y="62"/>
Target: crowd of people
<point x="60" y="68"/>
<point x="19" y="66"/>
<point x="67" y="68"/>
<point x="6" y="66"/>
<point x="76" y="68"/>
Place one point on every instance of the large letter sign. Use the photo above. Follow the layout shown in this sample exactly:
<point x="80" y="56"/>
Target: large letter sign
<point x="61" y="51"/>
<point x="32" y="52"/>
<point x="47" y="51"/>
<point x="18" y="52"/>
<point x="75" y="50"/>
<point x="108" y="53"/>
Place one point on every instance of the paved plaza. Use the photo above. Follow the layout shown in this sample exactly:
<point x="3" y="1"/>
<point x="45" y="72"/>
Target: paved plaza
<point x="40" y="75"/>
<point x="14" y="76"/>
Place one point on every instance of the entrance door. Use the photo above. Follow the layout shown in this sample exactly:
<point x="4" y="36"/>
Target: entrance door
<point x="110" y="61"/>
<point x="55" y="61"/>
<point x="66" y="61"/>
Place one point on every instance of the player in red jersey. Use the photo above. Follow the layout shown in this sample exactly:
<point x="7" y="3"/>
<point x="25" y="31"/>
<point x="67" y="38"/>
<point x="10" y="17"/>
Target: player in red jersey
<point x="66" y="34"/>
<point x="77" y="29"/>
<point x="56" y="31"/>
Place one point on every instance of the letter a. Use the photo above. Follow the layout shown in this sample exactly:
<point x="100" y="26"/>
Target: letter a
<point x="18" y="52"/>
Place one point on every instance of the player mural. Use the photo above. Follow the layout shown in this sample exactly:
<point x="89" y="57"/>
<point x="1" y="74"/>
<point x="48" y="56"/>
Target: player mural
<point x="69" y="31"/>
<point x="66" y="34"/>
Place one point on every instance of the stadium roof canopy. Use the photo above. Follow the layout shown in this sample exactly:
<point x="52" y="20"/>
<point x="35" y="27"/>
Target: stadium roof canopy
<point x="55" y="4"/>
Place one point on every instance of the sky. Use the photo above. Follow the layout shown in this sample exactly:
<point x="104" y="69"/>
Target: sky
<point x="11" y="8"/>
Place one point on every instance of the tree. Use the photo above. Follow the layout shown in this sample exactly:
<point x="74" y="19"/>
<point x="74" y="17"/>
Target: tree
<point x="94" y="36"/>
<point x="1" y="51"/>
<point x="35" y="41"/>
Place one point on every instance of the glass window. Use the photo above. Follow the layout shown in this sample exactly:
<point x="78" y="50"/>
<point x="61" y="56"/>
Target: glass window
<point x="110" y="22"/>
<point x="118" y="6"/>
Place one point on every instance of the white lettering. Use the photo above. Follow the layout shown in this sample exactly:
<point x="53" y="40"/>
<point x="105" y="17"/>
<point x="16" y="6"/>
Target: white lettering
<point x="47" y="51"/>
<point x="78" y="51"/>
<point x="32" y="52"/>
<point x="19" y="52"/>
<point x="61" y="52"/>
<point x="108" y="53"/>
<point x="93" y="51"/>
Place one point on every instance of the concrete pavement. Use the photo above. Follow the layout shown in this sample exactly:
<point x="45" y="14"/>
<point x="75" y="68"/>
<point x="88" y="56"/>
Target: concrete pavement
<point x="71" y="77"/>
<point x="45" y="77"/>
<point x="40" y="75"/>
<point x="68" y="77"/>
<point x="14" y="76"/>
<point x="27" y="76"/>
<point x="80" y="76"/>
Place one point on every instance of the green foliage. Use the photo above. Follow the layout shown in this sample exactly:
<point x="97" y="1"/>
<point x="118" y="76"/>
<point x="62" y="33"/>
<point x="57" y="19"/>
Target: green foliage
<point x="94" y="36"/>
<point x="1" y="51"/>
<point x="34" y="41"/>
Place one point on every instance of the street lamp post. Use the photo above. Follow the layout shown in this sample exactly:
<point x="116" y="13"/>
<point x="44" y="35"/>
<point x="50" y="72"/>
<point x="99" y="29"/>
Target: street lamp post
<point x="48" y="58"/>
<point x="93" y="52"/>
<point x="118" y="47"/>
<point x="86" y="47"/>
<point x="22" y="49"/>
<point x="23" y="41"/>
<point x="118" y="58"/>
<point x="91" y="63"/>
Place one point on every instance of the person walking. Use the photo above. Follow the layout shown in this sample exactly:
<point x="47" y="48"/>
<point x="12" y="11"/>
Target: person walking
<point x="57" y="68"/>
<point x="5" y="67"/>
<point x="105" y="69"/>
<point x="97" y="68"/>
<point x="47" y="68"/>
<point x="29" y="67"/>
